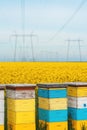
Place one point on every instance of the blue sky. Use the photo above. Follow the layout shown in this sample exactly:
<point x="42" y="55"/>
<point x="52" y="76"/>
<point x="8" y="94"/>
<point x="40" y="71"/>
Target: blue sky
<point x="44" y="18"/>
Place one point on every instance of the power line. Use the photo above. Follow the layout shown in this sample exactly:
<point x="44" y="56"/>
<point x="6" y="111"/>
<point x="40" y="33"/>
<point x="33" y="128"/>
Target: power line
<point x="79" y="41"/>
<point x="69" y="20"/>
<point x="25" y="35"/>
<point x="79" y="45"/>
<point x="32" y="47"/>
<point x="15" y="45"/>
<point x="15" y="49"/>
<point x="68" y="49"/>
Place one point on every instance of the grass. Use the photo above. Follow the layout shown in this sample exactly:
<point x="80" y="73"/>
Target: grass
<point x="42" y="126"/>
<point x="83" y="127"/>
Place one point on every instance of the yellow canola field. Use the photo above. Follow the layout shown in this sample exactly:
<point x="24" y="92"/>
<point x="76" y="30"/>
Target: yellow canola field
<point x="36" y="72"/>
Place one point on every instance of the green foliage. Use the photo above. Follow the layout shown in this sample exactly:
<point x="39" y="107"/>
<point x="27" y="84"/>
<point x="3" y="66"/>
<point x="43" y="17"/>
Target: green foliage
<point x="83" y="127"/>
<point x="43" y="126"/>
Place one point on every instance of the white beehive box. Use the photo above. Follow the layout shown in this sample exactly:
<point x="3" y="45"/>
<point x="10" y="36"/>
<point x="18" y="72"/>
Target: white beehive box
<point x="1" y="105"/>
<point x="2" y="87"/>
<point x="1" y="118"/>
<point x="80" y="102"/>
<point x="21" y="91"/>
<point x="20" y="94"/>
<point x="1" y="94"/>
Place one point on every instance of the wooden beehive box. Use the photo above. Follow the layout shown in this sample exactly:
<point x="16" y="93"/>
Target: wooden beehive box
<point x="21" y="106"/>
<point x="77" y="105"/>
<point x="2" y="108"/>
<point x="52" y="106"/>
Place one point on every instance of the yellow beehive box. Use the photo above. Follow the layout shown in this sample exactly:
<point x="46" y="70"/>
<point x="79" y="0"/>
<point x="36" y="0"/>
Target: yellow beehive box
<point x="21" y="105"/>
<point x="77" y="92"/>
<point x="21" y="117"/>
<point x="78" y="125"/>
<point x="54" y="88"/>
<point x="72" y="91"/>
<point x="53" y="125"/>
<point x="1" y="127"/>
<point x="77" y="89"/>
<point x="53" y="103"/>
<point x="30" y="126"/>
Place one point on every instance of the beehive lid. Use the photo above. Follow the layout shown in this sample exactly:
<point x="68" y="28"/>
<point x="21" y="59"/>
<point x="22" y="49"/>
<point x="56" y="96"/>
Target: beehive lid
<point x="20" y="86"/>
<point x="2" y="86"/>
<point x="77" y="84"/>
<point x="51" y="85"/>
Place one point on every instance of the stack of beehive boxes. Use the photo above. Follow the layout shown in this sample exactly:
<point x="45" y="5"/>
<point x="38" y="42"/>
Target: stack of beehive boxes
<point x="52" y="107"/>
<point x="2" y="107"/>
<point x="21" y="107"/>
<point x="77" y="103"/>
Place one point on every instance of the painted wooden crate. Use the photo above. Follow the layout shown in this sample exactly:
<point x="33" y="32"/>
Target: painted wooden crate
<point x="53" y="125"/>
<point x="52" y="93"/>
<point x="77" y="89"/>
<point x="52" y="108"/>
<point x="21" y="117"/>
<point x="1" y="94"/>
<point x="77" y="105"/>
<point x="2" y="105"/>
<point x="78" y="125"/>
<point x="30" y="126"/>
<point x="15" y="94"/>
<point x="2" y="87"/>
<point x="52" y="103"/>
<point x="2" y="118"/>
<point x="53" y="115"/>
<point x="80" y="102"/>
<point x="1" y="127"/>
<point x="21" y="91"/>
<point x="21" y="105"/>
<point x="77" y="114"/>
